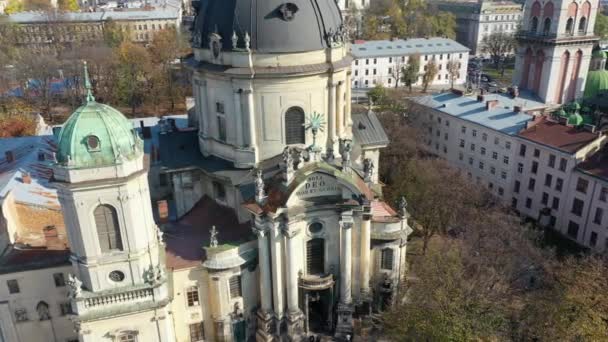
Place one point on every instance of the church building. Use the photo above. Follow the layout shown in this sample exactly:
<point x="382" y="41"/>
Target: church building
<point x="260" y="216"/>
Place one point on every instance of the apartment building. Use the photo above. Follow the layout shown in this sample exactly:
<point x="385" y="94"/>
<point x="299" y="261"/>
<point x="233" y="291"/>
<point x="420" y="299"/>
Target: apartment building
<point x="42" y="30"/>
<point x="551" y="187"/>
<point x="476" y="20"/>
<point x="381" y="61"/>
<point x="549" y="169"/>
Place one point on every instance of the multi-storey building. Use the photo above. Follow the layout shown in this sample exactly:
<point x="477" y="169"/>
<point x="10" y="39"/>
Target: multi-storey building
<point x="477" y="20"/>
<point x="45" y="30"/>
<point x="272" y="221"/>
<point x="553" y="169"/>
<point x="381" y="61"/>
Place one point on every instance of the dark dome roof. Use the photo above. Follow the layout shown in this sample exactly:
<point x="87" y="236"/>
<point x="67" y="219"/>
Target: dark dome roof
<point x="274" y="26"/>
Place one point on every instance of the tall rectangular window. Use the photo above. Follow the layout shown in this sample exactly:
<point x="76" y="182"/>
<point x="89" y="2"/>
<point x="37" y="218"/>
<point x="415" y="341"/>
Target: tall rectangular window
<point x="548" y="180"/>
<point x="536" y="153"/>
<point x="13" y="286"/>
<point x="192" y="296"/>
<point x="577" y="207"/>
<point x="516" y="187"/>
<point x="534" y="168"/>
<point x="386" y="259"/>
<point x="522" y="150"/>
<point x="551" y="160"/>
<point x="562" y="164"/>
<point x="59" y="279"/>
<point x="545" y="198"/>
<point x="559" y="184"/>
<point x="573" y="230"/>
<point x="197" y="332"/>
<point x="236" y="288"/>
<point x="593" y="239"/>
<point x="603" y="194"/>
<point x="581" y="185"/>
<point x="531" y="184"/>
<point x="555" y="204"/>
<point x="597" y="218"/>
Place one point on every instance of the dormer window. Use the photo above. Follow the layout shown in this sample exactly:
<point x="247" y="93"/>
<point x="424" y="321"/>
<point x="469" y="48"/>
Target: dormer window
<point x="93" y="144"/>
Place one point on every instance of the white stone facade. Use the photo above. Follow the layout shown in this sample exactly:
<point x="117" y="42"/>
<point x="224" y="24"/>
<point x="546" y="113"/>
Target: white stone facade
<point x="381" y="62"/>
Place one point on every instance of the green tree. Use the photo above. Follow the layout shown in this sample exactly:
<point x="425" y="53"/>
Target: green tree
<point x="14" y="6"/>
<point x="166" y="48"/>
<point x="429" y="75"/>
<point x="411" y="72"/>
<point x="497" y="45"/>
<point x="114" y="34"/>
<point x="377" y="94"/>
<point x="601" y="25"/>
<point x="68" y="5"/>
<point x="133" y="71"/>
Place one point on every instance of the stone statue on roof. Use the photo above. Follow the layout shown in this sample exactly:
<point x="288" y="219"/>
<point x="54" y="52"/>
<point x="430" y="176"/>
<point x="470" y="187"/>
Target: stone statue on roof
<point x="368" y="169"/>
<point x="402" y="206"/>
<point x="260" y="194"/>
<point x="213" y="242"/>
<point x="74" y="286"/>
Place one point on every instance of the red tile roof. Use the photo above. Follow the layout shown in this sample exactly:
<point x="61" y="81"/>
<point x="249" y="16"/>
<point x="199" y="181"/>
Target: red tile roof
<point x="186" y="238"/>
<point x="558" y="136"/>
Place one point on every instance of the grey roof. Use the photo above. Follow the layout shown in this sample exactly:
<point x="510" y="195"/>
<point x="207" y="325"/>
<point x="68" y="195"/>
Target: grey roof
<point x="503" y="118"/>
<point x="368" y="131"/>
<point x="262" y="20"/>
<point x="400" y="47"/>
<point x="42" y="17"/>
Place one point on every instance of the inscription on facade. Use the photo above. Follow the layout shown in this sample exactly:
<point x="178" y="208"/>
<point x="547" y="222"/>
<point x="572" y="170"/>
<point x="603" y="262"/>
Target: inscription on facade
<point x="318" y="185"/>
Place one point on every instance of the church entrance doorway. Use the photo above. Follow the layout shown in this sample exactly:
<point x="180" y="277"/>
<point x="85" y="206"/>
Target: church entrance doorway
<point x="319" y="311"/>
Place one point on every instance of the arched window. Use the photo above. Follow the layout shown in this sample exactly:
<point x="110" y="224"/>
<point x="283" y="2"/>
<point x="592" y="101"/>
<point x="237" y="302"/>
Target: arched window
<point x="547" y="26"/>
<point x="43" y="311"/>
<point x="294" y="126"/>
<point x="315" y="256"/>
<point x="534" y="26"/>
<point x="569" y="26"/>
<point x="582" y="25"/>
<point x="108" y="230"/>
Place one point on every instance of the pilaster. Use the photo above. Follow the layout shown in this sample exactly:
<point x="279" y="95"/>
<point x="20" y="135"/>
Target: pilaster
<point x="345" y="308"/>
<point x="265" y="315"/>
<point x="277" y="271"/>
<point x="294" y="313"/>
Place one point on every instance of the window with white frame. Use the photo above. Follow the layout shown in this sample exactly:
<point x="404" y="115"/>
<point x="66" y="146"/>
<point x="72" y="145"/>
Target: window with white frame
<point x="192" y="296"/>
<point x="386" y="258"/>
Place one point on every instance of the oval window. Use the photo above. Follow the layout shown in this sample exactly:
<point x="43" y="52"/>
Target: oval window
<point x="117" y="276"/>
<point x="93" y="143"/>
<point x="315" y="228"/>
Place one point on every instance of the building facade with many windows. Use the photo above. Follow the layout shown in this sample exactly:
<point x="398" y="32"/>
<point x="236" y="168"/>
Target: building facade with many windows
<point x="381" y="62"/>
<point x="477" y="20"/>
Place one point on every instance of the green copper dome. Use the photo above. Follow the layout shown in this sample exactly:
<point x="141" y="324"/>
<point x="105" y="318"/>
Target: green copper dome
<point x="597" y="82"/>
<point x="97" y="135"/>
<point x="575" y="120"/>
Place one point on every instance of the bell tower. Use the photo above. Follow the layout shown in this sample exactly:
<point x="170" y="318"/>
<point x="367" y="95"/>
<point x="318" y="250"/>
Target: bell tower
<point x="116" y="248"/>
<point x="554" y="48"/>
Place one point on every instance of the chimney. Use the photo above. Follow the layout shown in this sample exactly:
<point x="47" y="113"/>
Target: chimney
<point x="26" y="178"/>
<point x="491" y="104"/>
<point x="141" y="124"/>
<point x="10" y="157"/>
<point x="41" y="156"/>
<point x="457" y="92"/>
<point x="480" y="98"/>
<point x="51" y="238"/>
<point x="517" y="109"/>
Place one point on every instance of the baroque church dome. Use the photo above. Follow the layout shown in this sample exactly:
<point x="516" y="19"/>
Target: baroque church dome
<point x="97" y="135"/>
<point x="273" y="26"/>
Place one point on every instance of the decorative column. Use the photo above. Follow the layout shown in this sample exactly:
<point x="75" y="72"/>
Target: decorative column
<point x="364" y="266"/>
<point x="340" y="109"/>
<point x="238" y="112"/>
<point x="347" y="111"/>
<point x="253" y="141"/>
<point x="331" y="117"/>
<point x="265" y="316"/>
<point x="294" y="314"/>
<point x="344" y="325"/>
<point x="276" y="263"/>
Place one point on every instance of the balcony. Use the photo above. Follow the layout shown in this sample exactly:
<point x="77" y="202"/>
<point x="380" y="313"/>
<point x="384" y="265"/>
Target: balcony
<point x="552" y="37"/>
<point x="316" y="282"/>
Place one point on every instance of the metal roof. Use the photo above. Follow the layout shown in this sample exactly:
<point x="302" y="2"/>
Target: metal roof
<point x="501" y="118"/>
<point x="273" y="25"/>
<point x="400" y="47"/>
<point x="43" y="17"/>
<point x="368" y="131"/>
